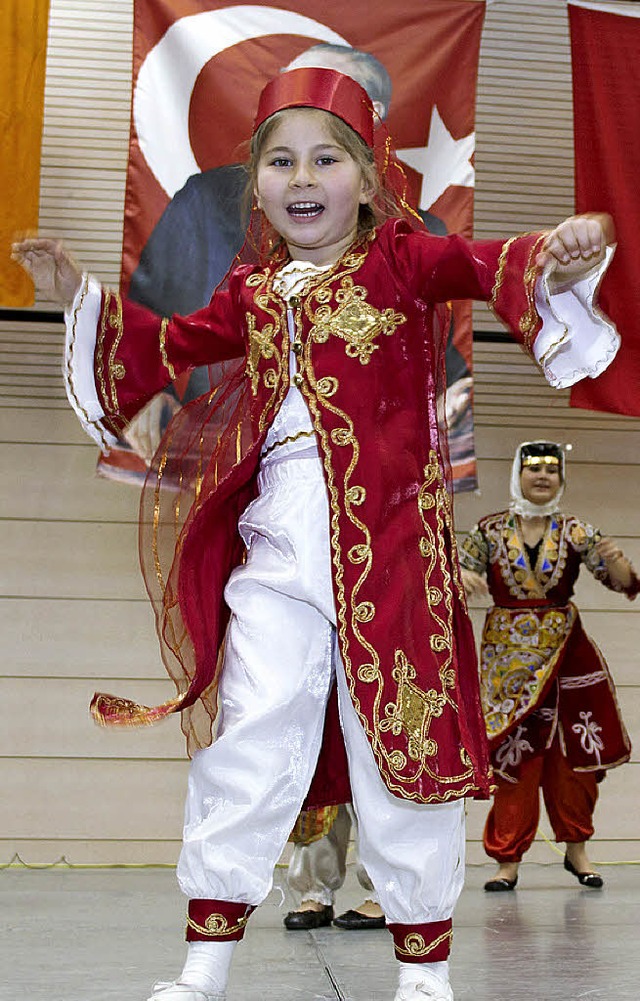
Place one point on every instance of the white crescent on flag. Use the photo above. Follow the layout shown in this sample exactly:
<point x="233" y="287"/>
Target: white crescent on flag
<point x="169" y="73"/>
<point x="608" y="8"/>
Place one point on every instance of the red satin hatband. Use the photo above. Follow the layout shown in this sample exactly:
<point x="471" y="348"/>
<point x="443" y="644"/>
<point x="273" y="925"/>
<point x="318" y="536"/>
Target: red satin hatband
<point x="217" y="920"/>
<point x="428" y="943"/>
<point x="328" y="90"/>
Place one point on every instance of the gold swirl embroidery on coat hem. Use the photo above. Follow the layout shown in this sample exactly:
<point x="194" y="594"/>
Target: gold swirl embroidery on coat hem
<point x="413" y="711"/>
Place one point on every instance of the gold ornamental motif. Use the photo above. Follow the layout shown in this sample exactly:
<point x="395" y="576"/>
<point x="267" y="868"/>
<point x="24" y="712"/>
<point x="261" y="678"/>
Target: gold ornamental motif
<point x="413" y="711"/>
<point x="502" y="264"/>
<point x="354" y="320"/>
<point x="526" y="581"/>
<point x="415" y="946"/>
<point x="163" y="349"/>
<point x="260" y="346"/>
<point x="327" y="386"/>
<point x="216" y="926"/>
<point x="529" y="319"/>
<point x="520" y="651"/>
<point x="115" y="368"/>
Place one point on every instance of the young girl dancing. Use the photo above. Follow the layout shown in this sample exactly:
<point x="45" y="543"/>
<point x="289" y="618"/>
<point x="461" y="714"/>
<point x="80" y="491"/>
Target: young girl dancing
<point x="301" y="511"/>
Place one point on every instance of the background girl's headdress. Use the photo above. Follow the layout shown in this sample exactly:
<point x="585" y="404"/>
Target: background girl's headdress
<point x="529" y="452"/>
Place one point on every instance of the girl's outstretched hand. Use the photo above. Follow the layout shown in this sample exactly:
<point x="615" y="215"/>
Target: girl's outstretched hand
<point x="576" y="246"/>
<point x="51" y="266"/>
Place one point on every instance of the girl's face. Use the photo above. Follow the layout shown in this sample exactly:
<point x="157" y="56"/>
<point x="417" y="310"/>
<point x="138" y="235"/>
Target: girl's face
<point x="540" y="482"/>
<point x="309" y="187"/>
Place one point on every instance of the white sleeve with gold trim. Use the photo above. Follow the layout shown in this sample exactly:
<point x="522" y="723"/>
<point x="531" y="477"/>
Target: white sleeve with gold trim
<point x="81" y="321"/>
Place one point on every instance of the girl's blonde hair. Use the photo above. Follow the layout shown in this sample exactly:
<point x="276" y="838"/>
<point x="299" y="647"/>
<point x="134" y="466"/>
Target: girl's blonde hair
<point x="382" y="205"/>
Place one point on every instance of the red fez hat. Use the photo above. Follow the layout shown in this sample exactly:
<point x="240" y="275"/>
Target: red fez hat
<point x="328" y="90"/>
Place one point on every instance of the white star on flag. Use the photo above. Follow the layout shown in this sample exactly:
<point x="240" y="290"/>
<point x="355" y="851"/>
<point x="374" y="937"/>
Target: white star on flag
<point x="442" y="162"/>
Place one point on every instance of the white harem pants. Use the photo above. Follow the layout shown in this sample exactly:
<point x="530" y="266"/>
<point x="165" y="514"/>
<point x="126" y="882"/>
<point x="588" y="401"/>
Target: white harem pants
<point x="246" y="790"/>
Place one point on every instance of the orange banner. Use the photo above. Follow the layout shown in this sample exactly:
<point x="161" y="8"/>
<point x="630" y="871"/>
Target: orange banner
<point x="23" y="51"/>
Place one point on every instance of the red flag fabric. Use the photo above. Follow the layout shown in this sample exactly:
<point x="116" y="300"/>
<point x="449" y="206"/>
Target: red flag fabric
<point x="199" y="67"/>
<point x="605" y="50"/>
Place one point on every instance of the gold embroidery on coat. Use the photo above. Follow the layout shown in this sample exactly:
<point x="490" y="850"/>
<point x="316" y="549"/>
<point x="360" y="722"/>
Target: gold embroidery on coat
<point x="115" y="369"/>
<point x="163" y="349"/>
<point x="529" y="319"/>
<point x="357" y="613"/>
<point x="354" y="320"/>
<point x="100" y="363"/>
<point x="262" y="344"/>
<point x="433" y="495"/>
<point x="502" y="264"/>
<point x="327" y="386"/>
<point x="318" y="394"/>
<point x="413" y="711"/>
<point x="335" y="430"/>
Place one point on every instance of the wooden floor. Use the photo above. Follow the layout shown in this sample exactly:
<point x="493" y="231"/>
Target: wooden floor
<point x="101" y="935"/>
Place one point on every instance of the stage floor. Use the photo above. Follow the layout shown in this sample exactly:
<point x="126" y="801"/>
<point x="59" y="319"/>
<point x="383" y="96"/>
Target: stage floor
<point x="102" y="935"/>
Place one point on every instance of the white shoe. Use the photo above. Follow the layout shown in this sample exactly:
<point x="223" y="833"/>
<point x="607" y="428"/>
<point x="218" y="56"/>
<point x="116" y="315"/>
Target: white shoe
<point x="427" y="988"/>
<point x="174" y="991"/>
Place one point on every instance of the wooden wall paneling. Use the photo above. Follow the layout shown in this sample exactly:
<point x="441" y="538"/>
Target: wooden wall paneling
<point x="79" y="637"/>
<point x="65" y="729"/>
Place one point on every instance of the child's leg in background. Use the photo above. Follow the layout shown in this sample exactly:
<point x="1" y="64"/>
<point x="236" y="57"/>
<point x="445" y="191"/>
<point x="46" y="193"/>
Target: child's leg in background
<point x="318" y="869"/>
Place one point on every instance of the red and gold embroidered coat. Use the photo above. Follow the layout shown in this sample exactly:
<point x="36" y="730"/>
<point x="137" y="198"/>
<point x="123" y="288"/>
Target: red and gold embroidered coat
<point x="540" y="674"/>
<point x="370" y="352"/>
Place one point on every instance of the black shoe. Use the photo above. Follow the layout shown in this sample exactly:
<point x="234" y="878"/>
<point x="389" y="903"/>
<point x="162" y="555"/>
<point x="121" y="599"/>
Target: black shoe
<point x="592" y="879"/>
<point x="306" y="920"/>
<point x="355" y="921"/>
<point x="501" y="885"/>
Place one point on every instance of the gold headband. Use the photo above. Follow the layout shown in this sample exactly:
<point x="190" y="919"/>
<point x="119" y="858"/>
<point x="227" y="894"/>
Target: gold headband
<point x="537" y="460"/>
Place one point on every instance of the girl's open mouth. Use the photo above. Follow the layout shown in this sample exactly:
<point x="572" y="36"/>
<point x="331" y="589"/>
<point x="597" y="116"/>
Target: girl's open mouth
<point x="305" y="210"/>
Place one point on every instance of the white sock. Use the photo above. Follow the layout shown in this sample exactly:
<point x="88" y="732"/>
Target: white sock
<point x="413" y="973"/>
<point x="207" y="966"/>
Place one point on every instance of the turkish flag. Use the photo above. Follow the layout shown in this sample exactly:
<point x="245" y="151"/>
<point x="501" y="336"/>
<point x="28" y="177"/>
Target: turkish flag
<point x="605" y="53"/>
<point x="199" y="67"/>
